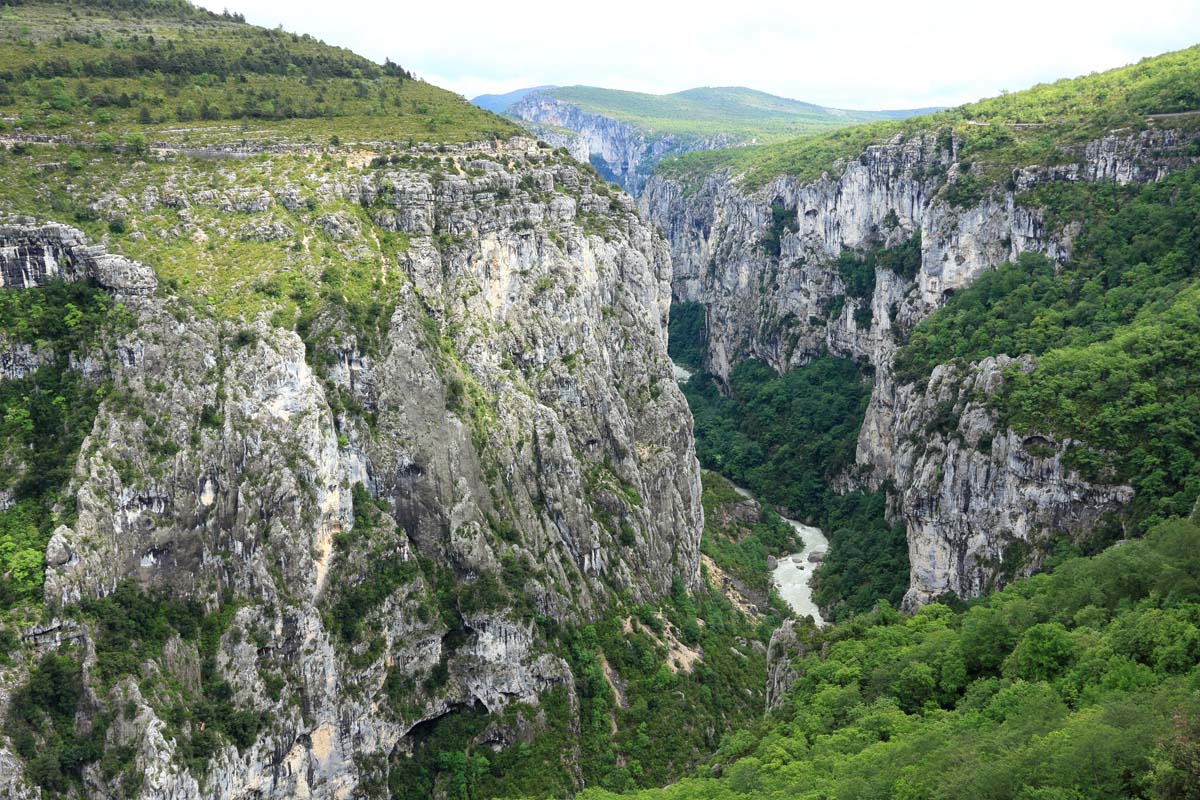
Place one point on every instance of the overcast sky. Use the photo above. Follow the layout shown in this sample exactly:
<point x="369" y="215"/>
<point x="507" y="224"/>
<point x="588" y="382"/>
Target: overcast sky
<point x="842" y="53"/>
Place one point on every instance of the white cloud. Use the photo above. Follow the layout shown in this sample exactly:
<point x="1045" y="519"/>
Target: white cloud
<point x="852" y="53"/>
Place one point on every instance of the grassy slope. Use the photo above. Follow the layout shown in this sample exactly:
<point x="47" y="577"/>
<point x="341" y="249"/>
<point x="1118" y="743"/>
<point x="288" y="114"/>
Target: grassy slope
<point x="1052" y="117"/>
<point x="175" y="72"/>
<point x="744" y="114"/>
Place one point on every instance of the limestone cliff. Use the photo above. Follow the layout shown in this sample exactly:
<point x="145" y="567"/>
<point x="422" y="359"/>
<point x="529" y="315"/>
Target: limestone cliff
<point x="511" y="434"/>
<point x="619" y="151"/>
<point x="975" y="515"/>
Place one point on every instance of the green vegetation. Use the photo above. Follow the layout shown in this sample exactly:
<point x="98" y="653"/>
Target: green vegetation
<point x="784" y="437"/>
<point x="733" y="111"/>
<point x="25" y="529"/>
<point x="1115" y="331"/>
<point x="1078" y="684"/>
<point x="247" y="259"/>
<point x="350" y="600"/>
<point x="656" y="688"/>
<point x="446" y="763"/>
<point x="857" y="269"/>
<point x="1041" y="125"/>
<point x="742" y="549"/>
<point x="781" y="436"/>
<point x="175" y="69"/>
<point x="41" y="724"/>
<point x="805" y="157"/>
<point x="783" y="219"/>
<point x="44" y="418"/>
<point x="867" y="560"/>
<point x="673" y="704"/>
<point x="686" y="335"/>
<point x="130" y="628"/>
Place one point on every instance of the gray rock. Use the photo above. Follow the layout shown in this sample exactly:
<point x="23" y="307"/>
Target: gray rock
<point x="784" y="649"/>
<point x="520" y="389"/>
<point x="626" y="155"/>
<point x="33" y="255"/>
<point x="964" y="506"/>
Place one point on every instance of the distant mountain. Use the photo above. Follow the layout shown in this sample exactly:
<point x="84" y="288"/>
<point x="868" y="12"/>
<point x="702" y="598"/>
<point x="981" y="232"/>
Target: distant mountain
<point x="707" y="111"/>
<point x="500" y="103"/>
<point x="704" y="110"/>
<point x="625" y="133"/>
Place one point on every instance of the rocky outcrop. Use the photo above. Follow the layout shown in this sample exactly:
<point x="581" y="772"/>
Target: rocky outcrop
<point x="784" y="650"/>
<point x="20" y="359"/>
<point x="515" y="426"/>
<point x="621" y="152"/>
<point x="788" y="307"/>
<point x="981" y="501"/>
<point x="33" y="255"/>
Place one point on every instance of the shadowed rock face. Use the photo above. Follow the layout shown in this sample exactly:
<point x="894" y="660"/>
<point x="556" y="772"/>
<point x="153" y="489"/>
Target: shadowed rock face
<point x="784" y="650"/>
<point x="33" y="255"/>
<point x="517" y="417"/>
<point x="964" y="506"/>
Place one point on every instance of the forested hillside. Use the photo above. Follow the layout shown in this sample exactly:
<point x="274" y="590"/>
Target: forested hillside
<point x="1115" y="331"/>
<point x="1082" y="683"/>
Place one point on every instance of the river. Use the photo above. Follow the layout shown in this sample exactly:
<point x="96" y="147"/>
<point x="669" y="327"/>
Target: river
<point x="793" y="573"/>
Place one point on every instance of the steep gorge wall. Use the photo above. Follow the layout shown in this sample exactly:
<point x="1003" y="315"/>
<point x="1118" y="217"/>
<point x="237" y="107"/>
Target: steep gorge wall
<point x="623" y="154"/>
<point x="517" y="425"/>
<point x="975" y="515"/>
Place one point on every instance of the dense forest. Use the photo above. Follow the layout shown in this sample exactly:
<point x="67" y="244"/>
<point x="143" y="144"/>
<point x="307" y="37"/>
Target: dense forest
<point x="1115" y="331"/>
<point x="1079" y="684"/>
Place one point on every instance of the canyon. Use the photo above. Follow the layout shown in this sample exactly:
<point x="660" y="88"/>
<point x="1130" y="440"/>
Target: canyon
<point x="343" y="455"/>
<point x="972" y="514"/>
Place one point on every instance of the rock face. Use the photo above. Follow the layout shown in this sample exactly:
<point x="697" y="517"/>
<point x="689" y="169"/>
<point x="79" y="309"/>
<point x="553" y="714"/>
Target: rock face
<point x="32" y="255"/>
<point x="517" y="429"/>
<point x="618" y="150"/>
<point x="981" y="502"/>
<point x="964" y="506"/>
<point x="783" y="651"/>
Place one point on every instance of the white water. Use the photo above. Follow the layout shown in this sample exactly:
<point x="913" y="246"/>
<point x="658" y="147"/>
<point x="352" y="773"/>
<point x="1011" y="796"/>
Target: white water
<point x="793" y="574"/>
<point x="681" y="374"/>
